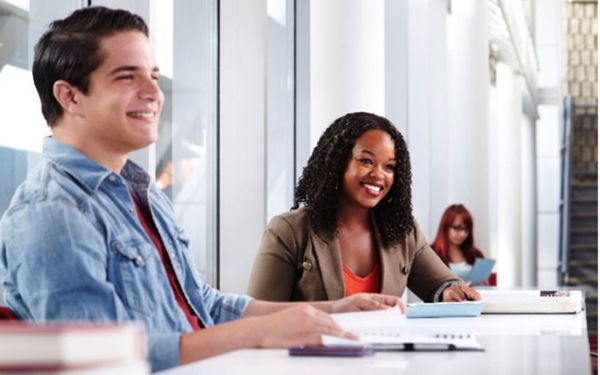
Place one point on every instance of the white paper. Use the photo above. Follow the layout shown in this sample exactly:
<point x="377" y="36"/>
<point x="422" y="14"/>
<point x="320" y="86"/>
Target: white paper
<point x="389" y="320"/>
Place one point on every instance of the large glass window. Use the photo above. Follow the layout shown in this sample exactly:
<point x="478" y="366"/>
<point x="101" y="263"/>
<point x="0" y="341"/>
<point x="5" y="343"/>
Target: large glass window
<point x="22" y="126"/>
<point x="280" y="106"/>
<point x="185" y="158"/>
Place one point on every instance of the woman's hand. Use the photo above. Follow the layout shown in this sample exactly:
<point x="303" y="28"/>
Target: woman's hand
<point x="366" y="302"/>
<point x="459" y="293"/>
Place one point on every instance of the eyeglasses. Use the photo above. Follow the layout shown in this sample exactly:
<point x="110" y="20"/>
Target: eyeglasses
<point x="460" y="228"/>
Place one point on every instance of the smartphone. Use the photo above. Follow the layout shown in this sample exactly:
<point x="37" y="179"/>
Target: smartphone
<point x="332" y="351"/>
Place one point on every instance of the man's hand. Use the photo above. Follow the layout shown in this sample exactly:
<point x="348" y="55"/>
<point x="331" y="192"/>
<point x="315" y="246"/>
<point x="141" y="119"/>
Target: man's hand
<point x="366" y="302"/>
<point x="287" y="325"/>
<point x="459" y="293"/>
<point x="304" y="324"/>
<point x="279" y="325"/>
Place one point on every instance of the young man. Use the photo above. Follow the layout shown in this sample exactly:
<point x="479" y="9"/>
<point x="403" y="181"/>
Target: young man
<point x="88" y="237"/>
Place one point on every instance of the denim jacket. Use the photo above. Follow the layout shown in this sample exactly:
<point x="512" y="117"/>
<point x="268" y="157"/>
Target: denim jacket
<point x="72" y="248"/>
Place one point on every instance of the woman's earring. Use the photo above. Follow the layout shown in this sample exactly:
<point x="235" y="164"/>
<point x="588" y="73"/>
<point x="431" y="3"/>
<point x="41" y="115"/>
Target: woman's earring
<point x="336" y="186"/>
<point x="389" y="200"/>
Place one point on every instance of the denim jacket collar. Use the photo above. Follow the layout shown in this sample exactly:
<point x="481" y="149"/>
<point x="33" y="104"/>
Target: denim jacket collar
<point x="86" y="171"/>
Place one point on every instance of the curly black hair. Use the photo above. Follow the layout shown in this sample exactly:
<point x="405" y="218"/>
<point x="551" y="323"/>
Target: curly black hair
<point x="317" y="187"/>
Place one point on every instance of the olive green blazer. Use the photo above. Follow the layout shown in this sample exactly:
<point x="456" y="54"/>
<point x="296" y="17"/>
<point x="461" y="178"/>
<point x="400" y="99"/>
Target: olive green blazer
<point x="296" y="264"/>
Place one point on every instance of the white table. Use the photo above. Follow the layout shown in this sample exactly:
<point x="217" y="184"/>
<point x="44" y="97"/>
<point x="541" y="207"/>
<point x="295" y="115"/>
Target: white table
<point x="514" y="344"/>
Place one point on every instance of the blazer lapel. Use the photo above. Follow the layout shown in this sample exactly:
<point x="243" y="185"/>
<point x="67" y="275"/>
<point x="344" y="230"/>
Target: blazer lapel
<point x="327" y="252"/>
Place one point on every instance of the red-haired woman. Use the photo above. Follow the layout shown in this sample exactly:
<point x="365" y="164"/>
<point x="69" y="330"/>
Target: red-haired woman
<point x="454" y="241"/>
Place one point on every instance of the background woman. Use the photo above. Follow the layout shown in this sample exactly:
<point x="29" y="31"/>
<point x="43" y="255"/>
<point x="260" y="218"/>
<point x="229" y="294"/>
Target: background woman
<point x="355" y="231"/>
<point x="454" y="242"/>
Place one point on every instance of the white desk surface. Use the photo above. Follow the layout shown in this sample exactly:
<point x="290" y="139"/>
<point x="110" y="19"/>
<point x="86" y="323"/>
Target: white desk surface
<point x="514" y="344"/>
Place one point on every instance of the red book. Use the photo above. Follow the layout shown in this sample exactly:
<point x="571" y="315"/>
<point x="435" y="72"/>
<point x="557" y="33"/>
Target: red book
<point x="69" y="346"/>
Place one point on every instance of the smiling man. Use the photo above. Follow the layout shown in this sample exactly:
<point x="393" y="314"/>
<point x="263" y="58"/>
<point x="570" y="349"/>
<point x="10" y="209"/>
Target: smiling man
<point x="88" y="237"/>
<point x="118" y="111"/>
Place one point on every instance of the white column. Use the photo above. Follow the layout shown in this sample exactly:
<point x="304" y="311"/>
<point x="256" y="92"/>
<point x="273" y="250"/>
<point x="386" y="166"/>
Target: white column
<point x="418" y="134"/>
<point x="347" y="60"/>
<point x="493" y="161"/>
<point x="243" y="32"/>
<point x="548" y="195"/>
<point x="439" y="146"/>
<point x="550" y="49"/>
<point x="462" y="160"/>
<point x="396" y="63"/>
<point x="528" y="204"/>
<point x="508" y="170"/>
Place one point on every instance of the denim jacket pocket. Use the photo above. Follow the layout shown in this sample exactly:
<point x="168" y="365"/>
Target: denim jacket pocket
<point x="137" y="270"/>
<point x="184" y="241"/>
<point x="182" y="236"/>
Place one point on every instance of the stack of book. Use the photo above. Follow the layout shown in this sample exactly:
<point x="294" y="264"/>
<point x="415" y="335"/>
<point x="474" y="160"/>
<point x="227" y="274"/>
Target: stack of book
<point x="73" y="349"/>
<point x="549" y="301"/>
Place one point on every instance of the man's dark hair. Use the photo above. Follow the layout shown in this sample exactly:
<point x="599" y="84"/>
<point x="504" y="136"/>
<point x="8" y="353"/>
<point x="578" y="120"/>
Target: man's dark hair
<point x="318" y="186"/>
<point x="70" y="51"/>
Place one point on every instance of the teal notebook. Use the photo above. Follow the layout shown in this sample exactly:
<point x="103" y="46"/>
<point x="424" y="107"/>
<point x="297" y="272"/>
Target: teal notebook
<point x="444" y="309"/>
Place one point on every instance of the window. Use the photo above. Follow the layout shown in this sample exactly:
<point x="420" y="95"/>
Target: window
<point x="183" y="160"/>
<point x="185" y="157"/>
<point x="280" y="106"/>
<point x="22" y="126"/>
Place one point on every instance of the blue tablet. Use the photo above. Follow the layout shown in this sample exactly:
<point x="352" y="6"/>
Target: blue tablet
<point x="444" y="309"/>
<point x="482" y="269"/>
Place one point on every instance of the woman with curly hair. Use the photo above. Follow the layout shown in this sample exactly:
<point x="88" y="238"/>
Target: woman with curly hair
<point x="351" y="228"/>
<point x="454" y="241"/>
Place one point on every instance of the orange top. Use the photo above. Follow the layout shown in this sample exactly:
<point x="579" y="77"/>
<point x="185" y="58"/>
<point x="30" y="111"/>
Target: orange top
<point x="371" y="283"/>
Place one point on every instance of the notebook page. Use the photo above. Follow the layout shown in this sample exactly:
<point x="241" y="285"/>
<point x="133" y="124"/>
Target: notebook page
<point x="389" y="320"/>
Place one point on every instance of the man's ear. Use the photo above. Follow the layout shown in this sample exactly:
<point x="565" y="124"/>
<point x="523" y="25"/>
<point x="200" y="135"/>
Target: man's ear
<point x="68" y="97"/>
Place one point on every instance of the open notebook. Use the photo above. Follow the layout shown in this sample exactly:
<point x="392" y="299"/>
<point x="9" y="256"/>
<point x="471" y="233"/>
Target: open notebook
<point x="390" y="330"/>
<point x="398" y="341"/>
